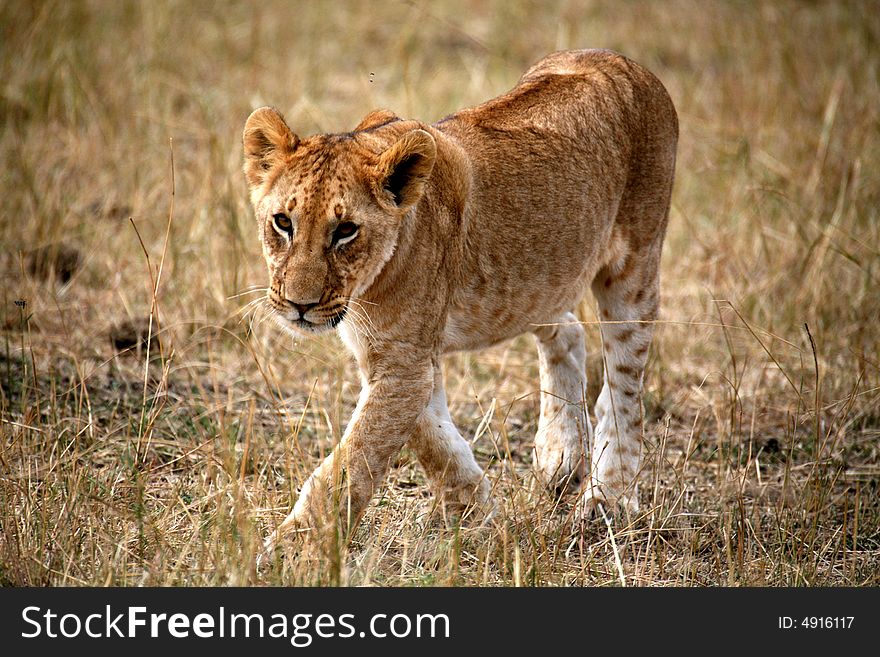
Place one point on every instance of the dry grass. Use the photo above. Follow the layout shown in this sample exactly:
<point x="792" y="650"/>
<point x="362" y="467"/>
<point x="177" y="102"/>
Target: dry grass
<point x="164" y="463"/>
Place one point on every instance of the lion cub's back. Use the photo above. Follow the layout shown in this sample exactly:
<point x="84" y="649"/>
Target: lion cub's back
<point x="574" y="90"/>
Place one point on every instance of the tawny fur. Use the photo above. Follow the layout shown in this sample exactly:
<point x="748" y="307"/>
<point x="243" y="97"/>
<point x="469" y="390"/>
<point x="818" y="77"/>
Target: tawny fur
<point x="487" y="224"/>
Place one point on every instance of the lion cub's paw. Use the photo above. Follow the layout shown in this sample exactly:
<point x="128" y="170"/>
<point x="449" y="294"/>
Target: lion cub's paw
<point x="476" y="509"/>
<point x="596" y="503"/>
<point x="559" y="466"/>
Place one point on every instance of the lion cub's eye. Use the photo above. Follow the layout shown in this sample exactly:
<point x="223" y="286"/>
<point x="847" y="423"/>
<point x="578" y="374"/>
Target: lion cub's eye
<point x="345" y="232"/>
<point x="281" y="222"/>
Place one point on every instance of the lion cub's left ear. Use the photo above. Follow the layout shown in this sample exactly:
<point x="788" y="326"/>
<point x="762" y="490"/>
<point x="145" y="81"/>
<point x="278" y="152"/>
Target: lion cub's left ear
<point x="267" y="141"/>
<point x="404" y="168"/>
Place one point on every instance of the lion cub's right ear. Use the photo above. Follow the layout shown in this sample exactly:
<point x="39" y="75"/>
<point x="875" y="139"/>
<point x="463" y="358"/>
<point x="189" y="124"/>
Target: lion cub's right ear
<point x="267" y="142"/>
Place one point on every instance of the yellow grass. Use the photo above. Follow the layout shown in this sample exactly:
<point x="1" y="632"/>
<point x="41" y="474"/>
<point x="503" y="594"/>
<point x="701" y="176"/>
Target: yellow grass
<point x="166" y="463"/>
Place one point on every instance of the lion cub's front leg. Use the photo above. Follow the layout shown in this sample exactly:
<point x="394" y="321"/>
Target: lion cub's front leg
<point x="339" y="490"/>
<point x="458" y="482"/>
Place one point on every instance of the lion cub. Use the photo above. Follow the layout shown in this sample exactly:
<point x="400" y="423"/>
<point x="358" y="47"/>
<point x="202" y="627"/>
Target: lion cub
<point x="414" y="240"/>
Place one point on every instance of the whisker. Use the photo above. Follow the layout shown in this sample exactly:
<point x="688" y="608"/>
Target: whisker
<point x="252" y="290"/>
<point x="362" y="323"/>
<point x="357" y="303"/>
<point x="361" y="301"/>
<point x="250" y="306"/>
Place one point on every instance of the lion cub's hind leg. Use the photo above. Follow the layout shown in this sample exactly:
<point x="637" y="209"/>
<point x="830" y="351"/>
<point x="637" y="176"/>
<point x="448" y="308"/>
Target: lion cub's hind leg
<point x="564" y="427"/>
<point x="628" y="302"/>
<point x="457" y="480"/>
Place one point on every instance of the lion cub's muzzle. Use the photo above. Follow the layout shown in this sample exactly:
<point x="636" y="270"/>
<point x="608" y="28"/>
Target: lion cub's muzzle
<point x="308" y="318"/>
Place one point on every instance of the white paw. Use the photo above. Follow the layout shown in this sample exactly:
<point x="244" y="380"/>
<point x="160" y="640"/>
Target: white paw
<point x="559" y="461"/>
<point x="598" y="502"/>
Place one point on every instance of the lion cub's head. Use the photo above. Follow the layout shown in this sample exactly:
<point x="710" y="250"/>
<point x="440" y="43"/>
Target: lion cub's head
<point x="330" y="207"/>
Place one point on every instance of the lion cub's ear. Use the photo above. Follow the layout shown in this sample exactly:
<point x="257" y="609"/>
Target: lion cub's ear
<point x="267" y="141"/>
<point x="404" y="168"/>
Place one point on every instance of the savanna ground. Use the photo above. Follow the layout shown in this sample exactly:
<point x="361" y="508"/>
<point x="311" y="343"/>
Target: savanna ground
<point x="153" y="429"/>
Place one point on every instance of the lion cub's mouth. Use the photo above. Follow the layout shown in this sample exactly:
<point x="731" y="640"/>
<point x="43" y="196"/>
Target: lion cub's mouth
<point x="314" y="327"/>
